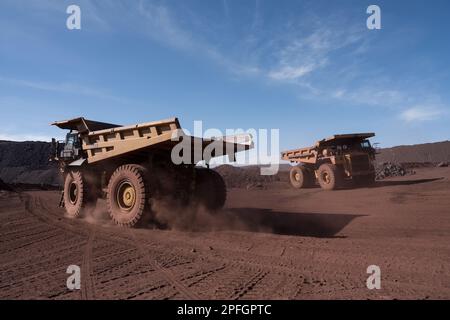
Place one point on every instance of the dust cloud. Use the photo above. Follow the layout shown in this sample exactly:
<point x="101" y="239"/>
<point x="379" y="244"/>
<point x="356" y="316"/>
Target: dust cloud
<point x="97" y="214"/>
<point x="195" y="217"/>
<point x="170" y="214"/>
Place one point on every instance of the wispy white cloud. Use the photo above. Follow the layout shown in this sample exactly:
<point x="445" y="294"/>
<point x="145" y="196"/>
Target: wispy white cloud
<point x="421" y="113"/>
<point x="68" y="88"/>
<point x="378" y="96"/>
<point x="163" y="25"/>
<point x="291" y="73"/>
<point x="304" y="53"/>
<point x="288" y="55"/>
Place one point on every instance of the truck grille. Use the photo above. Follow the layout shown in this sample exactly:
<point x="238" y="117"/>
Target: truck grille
<point x="360" y="163"/>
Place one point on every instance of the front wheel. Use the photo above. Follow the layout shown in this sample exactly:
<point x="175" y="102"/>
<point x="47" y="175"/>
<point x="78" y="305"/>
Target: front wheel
<point x="78" y="194"/>
<point x="300" y="177"/>
<point x="128" y="195"/>
<point x="330" y="176"/>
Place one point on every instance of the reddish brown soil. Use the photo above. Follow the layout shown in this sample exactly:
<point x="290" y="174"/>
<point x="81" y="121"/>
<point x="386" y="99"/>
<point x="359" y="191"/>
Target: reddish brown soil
<point x="277" y="243"/>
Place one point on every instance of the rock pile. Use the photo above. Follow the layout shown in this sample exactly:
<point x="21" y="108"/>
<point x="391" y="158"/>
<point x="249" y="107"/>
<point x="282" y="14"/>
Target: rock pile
<point x="27" y="162"/>
<point x="389" y="169"/>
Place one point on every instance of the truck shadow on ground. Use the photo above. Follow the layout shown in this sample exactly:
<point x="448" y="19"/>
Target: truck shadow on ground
<point x="382" y="183"/>
<point x="258" y="220"/>
<point x="320" y="225"/>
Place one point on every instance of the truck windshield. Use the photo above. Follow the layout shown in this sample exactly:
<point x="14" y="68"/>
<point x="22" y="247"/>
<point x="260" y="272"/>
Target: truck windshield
<point x="365" y="144"/>
<point x="72" y="140"/>
<point x="362" y="146"/>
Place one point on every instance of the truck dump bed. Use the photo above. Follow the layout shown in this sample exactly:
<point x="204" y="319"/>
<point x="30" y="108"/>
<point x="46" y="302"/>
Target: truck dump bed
<point x="304" y="155"/>
<point x="309" y="154"/>
<point x="102" y="141"/>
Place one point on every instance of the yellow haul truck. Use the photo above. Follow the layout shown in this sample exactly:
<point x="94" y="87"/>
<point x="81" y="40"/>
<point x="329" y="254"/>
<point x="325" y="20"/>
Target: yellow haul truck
<point x="131" y="165"/>
<point x="333" y="161"/>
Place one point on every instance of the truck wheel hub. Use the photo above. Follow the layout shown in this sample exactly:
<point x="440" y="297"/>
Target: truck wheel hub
<point x="126" y="197"/>
<point x="73" y="193"/>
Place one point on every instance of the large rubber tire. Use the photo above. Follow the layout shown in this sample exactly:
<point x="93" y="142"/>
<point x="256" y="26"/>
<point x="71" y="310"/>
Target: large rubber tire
<point x="128" y="195"/>
<point x="78" y="196"/>
<point x="300" y="177"/>
<point x="330" y="177"/>
<point x="210" y="189"/>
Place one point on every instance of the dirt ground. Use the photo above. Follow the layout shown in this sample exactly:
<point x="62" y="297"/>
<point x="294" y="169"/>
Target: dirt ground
<point x="277" y="243"/>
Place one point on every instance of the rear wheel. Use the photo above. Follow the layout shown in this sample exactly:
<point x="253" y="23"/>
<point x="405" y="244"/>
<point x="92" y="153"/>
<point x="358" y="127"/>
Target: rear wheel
<point x="128" y="195"/>
<point x="300" y="177"/>
<point x="78" y="194"/>
<point x="210" y="189"/>
<point x="329" y="176"/>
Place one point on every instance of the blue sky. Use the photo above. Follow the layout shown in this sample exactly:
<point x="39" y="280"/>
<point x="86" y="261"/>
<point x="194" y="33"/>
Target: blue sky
<point x="308" y="68"/>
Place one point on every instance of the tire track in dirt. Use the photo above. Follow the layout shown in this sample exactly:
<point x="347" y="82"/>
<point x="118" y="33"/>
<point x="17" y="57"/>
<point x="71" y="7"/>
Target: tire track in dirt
<point x="249" y="285"/>
<point x="45" y="256"/>
<point x="58" y="238"/>
<point x="171" y="278"/>
<point x="34" y="202"/>
<point x="87" y="274"/>
<point x="97" y="233"/>
<point x="38" y="244"/>
<point x="225" y="269"/>
<point x="238" y="283"/>
<point x="229" y="266"/>
<point x="46" y="214"/>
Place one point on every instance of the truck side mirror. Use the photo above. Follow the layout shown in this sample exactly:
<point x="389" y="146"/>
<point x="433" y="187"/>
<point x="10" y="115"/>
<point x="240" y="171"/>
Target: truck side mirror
<point x="54" y="150"/>
<point x="376" y="147"/>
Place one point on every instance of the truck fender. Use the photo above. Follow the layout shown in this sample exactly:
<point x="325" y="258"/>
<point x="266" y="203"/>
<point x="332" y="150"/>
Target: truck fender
<point x="77" y="163"/>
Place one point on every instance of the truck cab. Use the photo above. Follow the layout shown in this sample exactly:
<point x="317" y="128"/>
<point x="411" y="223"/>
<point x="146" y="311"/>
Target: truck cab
<point x="67" y="150"/>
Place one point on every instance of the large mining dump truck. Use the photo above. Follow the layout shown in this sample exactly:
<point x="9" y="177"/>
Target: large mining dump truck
<point x="130" y="166"/>
<point x="333" y="162"/>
